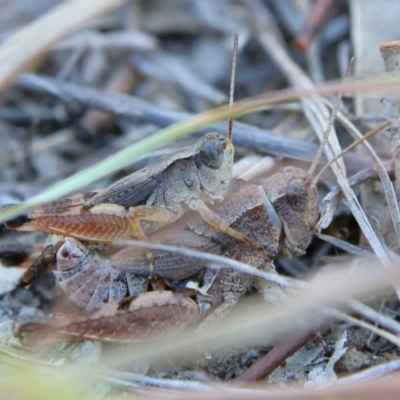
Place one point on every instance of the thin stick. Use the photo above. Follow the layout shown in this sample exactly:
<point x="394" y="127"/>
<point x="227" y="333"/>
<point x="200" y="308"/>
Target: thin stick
<point x="282" y="350"/>
<point x="348" y="148"/>
<point x="232" y="86"/>
<point x="331" y="120"/>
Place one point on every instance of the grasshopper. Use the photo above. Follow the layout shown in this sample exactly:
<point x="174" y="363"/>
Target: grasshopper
<point x="283" y="211"/>
<point x="145" y="317"/>
<point x="146" y="200"/>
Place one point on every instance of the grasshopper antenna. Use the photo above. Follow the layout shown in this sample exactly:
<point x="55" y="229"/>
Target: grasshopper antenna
<point x="232" y="85"/>
<point x="351" y="146"/>
<point x="330" y="122"/>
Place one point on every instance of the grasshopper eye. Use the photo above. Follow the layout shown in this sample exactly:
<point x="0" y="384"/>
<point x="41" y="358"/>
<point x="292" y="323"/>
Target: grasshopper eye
<point x="297" y="195"/>
<point x="211" y="154"/>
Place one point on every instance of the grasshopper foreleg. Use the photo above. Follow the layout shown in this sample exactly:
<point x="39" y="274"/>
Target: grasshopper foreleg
<point x="219" y="313"/>
<point x="226" y="285"/>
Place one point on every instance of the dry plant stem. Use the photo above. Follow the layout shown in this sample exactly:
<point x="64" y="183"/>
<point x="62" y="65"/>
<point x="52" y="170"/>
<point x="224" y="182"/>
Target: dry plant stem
<point x="132" y="380"/>
<point x="374" y="316"/>
<point x="331" y="121"/>
<point x="390" y="53"/>
<point x="277" y="356"/>
<point x="129" y="378"/>
<point x="352" y="146"/>
<point x="369" y="390"/>
<point x="369" y="374"/>
<point x="317" y="113"/>
<point x="25" y="47"/>
<point x="372" y="335"/>
<point x="348" y="247"/>
<point x="362" y="324"/>
<point x="362" y="387"/>
<point x="383" y="175"/>
<point x="330" y="201"/>
<point x="313" y="24"/>
<point x="232" y="83"/>
<point x="369" y="173"/>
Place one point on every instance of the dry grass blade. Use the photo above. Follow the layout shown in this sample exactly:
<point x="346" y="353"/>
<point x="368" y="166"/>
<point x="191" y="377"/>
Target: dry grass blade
<point x="265" y="324"/>
<point x="42" y="379"/>
<point x="344" y="317"/>
<point x="331" y="120"/>
<point x="351" y="146"/>
<point x="216" y="261"/>
<point x="371" y="373"/>
<point x="317" y="113"/>
<point x="381" y="388"/>
<point x="329" y="203"/>
<point x="375" y="316"/>
<point x="383" y="175"/>
<point x="347" y="247"/>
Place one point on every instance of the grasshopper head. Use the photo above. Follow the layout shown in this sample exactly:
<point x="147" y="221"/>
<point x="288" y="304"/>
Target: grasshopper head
<point x="214" y="161"/>
<point x="296" y="201"/>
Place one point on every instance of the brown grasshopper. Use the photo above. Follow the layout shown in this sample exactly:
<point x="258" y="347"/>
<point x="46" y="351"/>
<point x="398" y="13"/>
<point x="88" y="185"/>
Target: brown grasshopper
<point x="146" y="200"/>
<point x="154" y="195"/>
<point x="145" y="317"/>
<point x="281" y="212"/>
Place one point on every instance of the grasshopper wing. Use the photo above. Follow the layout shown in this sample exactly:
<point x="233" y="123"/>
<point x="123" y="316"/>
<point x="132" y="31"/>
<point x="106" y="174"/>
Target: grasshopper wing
<point x="135" y="189"/>
<point x="132" y="190"/>
<point x="167" y="265"/>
